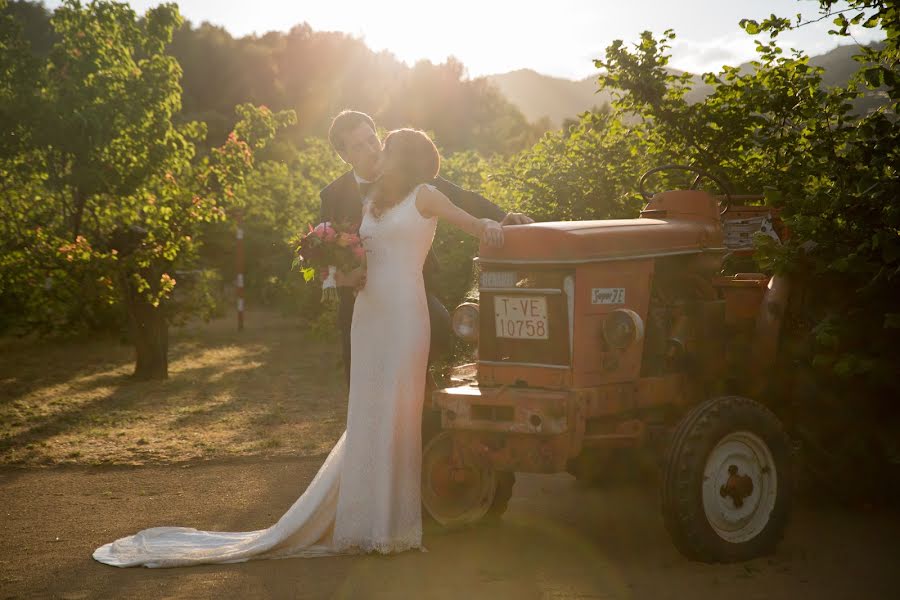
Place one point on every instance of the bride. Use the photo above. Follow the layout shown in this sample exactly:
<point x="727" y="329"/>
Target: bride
<point x="366" y="495"/>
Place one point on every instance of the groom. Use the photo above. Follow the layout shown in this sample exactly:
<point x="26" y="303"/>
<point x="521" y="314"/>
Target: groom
<point x="353" y="136"/>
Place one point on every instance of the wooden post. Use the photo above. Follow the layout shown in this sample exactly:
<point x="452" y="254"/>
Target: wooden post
<point x="239" y="278"/>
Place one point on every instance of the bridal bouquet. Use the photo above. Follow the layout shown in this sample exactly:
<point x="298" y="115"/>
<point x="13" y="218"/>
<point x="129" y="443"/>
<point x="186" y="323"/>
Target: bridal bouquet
<point x="323" y="250"/>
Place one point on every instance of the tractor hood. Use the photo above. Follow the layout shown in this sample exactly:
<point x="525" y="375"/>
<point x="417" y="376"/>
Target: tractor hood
<point x="588" y="241"/>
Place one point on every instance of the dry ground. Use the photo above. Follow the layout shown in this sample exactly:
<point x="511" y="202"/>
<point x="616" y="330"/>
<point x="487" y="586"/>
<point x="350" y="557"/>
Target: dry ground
<point x="557" y="541"/>
<point x="266" y="391"/>
<point x="238" y="431"/>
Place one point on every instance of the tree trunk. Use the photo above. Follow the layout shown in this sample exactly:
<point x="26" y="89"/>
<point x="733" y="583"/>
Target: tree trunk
<point x="150" y="335"/>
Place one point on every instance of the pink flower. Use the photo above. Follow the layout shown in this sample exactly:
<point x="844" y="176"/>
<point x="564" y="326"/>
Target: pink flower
<point x="359" y="252"/>
<point x="330" y="233"/>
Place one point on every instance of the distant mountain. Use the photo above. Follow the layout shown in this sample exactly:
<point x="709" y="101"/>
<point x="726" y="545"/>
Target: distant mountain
<point x="539" y="96"/>
<point x="555" y="98"/>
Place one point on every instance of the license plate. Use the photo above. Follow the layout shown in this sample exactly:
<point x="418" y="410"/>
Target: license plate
<point x="521" y="317"/>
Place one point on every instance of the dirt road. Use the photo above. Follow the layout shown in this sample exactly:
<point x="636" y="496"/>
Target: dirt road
<point x="558" y="540"/>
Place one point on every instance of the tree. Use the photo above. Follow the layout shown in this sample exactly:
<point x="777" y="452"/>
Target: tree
<point x="104" y="190"/>
<point x="282" y="202"/>
<point x="320" y="73"/>
<point x="585" y="172"/>
<point x="835" y="176"/>
<point x="833" y="173"/>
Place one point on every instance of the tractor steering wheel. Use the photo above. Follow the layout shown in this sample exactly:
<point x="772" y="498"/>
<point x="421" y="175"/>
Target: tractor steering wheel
<point x="724" y="203"/>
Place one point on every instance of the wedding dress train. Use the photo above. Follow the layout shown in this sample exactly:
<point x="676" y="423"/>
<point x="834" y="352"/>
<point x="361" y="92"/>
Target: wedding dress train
<point x="366" y="495"/>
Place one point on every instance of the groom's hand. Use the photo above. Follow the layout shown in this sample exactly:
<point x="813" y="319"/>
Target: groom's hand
<point x="354" y="279"/>
<point x="340" y="278"/>
<point x="515" y="218"/>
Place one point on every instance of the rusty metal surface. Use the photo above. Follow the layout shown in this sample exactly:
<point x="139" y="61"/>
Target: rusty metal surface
<point x="491" y="374"/>
<point x="517" y="452"/>
<point x="508" y="412"/>
<point x="594" y="363"/>
<point x="767" y="331"/>
<point x="537" y="404"/>
<point x="742" y="296"/>
<point x="630" y="433"/>
<point x="691" y="225"/>
<point x="532" y="411"/>
<point x="738" y="487"/>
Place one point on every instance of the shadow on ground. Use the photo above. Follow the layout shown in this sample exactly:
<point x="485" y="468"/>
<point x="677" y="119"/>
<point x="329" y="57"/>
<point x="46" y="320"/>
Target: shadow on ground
<point x="558" y="540"/>
<point x="264" y="391"/>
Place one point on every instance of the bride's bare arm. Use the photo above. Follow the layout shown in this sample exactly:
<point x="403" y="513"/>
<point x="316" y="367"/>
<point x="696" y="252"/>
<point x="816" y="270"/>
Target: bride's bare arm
<point x="432" y="203"/>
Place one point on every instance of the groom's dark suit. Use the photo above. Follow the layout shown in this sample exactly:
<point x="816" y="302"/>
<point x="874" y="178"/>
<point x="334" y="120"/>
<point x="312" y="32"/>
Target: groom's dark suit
<point x="342" y="203"/>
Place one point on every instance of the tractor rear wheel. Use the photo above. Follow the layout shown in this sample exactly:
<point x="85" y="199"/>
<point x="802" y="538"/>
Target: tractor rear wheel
<point x="727" y="483"/>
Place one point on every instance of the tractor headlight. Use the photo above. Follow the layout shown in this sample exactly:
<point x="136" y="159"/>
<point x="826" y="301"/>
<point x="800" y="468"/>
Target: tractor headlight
<point x="465" y="321"/>
<point x="621" y="328"/>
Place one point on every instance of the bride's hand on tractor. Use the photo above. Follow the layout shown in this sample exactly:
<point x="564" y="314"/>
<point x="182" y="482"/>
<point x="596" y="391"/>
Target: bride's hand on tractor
<point x="430" y="202"/>
<point x="491" y="233"/>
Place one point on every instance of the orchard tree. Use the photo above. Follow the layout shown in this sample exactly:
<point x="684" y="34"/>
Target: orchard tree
<point x="834" y="174"/>
<point x="103" y="188"/>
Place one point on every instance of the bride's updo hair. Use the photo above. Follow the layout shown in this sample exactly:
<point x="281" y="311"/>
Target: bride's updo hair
<point x="410" y="158"/>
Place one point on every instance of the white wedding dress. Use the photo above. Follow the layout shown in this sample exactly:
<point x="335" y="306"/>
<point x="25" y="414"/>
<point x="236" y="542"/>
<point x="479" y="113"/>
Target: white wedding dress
<point x="366" y="495"/>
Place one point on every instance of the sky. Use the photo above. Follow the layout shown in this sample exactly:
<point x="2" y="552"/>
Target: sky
<point x="558" y="37"/>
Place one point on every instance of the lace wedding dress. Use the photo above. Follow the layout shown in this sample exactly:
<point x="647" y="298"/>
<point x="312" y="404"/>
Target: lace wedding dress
<point x="366" y="495"/>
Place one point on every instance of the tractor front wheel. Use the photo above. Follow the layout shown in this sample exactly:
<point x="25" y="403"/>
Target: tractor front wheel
<point x="727" y="484"/>
<point x="459" y="490"/>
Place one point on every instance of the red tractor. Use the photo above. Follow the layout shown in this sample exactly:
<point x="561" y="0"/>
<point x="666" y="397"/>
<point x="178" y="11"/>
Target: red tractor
<point x="602" y="340"/>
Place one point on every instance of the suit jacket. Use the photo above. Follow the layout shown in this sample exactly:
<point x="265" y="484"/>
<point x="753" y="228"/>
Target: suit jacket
<point x="341" y="203"/>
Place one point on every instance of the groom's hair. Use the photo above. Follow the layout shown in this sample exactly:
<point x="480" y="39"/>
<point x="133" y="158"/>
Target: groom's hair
<point x="344" y="123"/>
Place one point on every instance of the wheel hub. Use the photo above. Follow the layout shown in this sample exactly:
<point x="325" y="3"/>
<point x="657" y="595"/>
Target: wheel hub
<point x="737" y="487"/>
<point x="740" y="486"/>
<point x="456" y="490"/>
